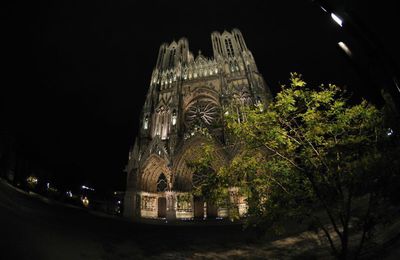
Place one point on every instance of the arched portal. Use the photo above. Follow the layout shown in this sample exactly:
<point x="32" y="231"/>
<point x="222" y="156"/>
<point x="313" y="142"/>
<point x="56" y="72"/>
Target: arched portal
<point x="155" y="174"/>
<point x="155" y="181"/>
<point x="162" y="186"/>
<point x="185" y="179"/>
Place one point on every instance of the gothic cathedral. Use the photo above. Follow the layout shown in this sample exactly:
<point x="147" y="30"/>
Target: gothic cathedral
<point x="184" y="109"/>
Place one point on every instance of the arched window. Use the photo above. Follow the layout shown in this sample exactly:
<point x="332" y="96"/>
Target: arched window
<point x="161" y="123"/>
<point x="229" y="47"/>
<point x="171" y="57"/>
<point x="174" y="117"/>
<point x="146" y="122"/>
<point x="162" y="184"/>
<point x="219" y="45"/>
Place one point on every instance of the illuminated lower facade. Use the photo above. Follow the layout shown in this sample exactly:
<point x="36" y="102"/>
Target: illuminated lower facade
<point x="184" y="110"/>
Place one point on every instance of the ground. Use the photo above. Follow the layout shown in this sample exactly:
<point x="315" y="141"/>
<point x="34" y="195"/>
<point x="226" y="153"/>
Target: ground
<point x="34" y="227"/>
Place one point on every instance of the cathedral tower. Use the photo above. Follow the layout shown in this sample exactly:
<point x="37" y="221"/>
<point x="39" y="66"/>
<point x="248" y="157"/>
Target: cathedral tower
<point x="187" y="99"/>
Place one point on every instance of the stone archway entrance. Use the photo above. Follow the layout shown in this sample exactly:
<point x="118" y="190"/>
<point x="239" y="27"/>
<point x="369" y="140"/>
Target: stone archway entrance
<point x="162" y="207"/>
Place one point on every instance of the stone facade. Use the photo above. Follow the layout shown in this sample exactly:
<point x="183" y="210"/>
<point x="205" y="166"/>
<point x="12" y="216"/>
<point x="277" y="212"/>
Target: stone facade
<point x="184" y="109"/>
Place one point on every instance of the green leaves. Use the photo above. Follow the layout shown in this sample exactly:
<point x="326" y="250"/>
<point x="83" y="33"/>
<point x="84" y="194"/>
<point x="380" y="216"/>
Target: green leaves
<point x="311" y="149"/>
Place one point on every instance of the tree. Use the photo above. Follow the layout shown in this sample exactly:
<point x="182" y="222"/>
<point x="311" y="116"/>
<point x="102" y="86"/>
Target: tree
<point x="311" y="151"/>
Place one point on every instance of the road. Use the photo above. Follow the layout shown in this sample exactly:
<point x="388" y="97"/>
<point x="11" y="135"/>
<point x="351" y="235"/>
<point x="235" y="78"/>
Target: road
<point x="33" y="227"/>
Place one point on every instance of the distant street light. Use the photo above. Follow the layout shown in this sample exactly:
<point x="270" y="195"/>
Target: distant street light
<point x="337" y="19"/>
<point x="85" y="201"/>
<point x="87" y="188"/>
<point x="344" y="47"/>
<point x="32" y="181"/>
<point x="380" y="67"/>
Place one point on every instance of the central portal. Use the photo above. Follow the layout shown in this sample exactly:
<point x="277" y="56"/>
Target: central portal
<point x="162" y="207"/>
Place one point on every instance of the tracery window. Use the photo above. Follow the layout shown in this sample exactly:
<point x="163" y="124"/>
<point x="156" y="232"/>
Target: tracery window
<point x="202" y="112"/>
<point x="161" y="122"/>
<point x="162" y="183"/>
<point x="229" y="47"/>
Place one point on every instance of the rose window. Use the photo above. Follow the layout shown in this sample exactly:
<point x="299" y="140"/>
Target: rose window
<point x="202" y="112"/>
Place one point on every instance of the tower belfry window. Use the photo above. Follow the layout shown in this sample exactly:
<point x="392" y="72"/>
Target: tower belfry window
<point x="229" y="47"/>
<point x="219" y="46"/>
<point x="171" y="57"/>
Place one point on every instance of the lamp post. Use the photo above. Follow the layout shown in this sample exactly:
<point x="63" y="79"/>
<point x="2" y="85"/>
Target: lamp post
<point x="369" y="55"/>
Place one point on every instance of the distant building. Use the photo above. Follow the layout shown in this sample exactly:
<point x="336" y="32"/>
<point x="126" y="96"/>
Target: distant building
<point x="186" y="102"/>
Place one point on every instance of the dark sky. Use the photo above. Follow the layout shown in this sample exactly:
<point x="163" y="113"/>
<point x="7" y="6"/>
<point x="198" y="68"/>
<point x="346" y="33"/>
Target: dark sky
<point x="76" y="73"/>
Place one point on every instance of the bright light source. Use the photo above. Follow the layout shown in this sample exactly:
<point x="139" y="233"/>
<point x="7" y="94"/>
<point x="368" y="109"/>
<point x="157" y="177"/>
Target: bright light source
<point x="344" y="47"/>
<point x="396" y="82"/>
<point x="48" y="185"/>
<point x="85" y="201"/>
<point x="389" y="132"/>
<point x="69" y="194"/>
<point x="173" y="119"/>
<point x="323" y="9"/>
<point x="337" y="19"/>
<point x="32" y="181"/>
<point x="87" y="188"/>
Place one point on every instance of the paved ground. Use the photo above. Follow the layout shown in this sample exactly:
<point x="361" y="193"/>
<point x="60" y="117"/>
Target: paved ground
<point x="33" y="227"/>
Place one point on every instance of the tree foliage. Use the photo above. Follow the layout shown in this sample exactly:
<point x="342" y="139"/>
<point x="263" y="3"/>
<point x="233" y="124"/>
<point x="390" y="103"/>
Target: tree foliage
<point x="310" y="151"/>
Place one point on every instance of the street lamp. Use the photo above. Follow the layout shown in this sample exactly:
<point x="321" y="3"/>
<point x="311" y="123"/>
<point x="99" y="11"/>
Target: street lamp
<point x="377" y="64"/>
<point x="337" y="19"/>
<point x="344" y="47"/>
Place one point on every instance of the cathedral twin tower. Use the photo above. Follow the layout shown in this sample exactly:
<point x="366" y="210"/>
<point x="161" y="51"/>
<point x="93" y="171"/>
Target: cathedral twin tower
<point x="184" y="109"/>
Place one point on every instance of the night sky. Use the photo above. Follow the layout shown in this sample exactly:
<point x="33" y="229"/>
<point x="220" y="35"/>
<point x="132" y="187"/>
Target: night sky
<point x="76" y="73"/>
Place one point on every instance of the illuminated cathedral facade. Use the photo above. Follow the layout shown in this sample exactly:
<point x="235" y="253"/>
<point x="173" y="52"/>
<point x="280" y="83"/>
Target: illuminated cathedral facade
<point x="184" y="109"/>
